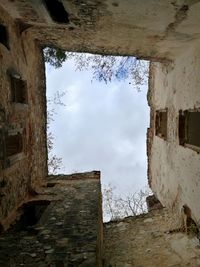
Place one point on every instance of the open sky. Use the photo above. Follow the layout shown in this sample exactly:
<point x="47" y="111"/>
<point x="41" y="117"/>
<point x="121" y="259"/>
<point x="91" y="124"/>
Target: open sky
<point x="101" y="127"/>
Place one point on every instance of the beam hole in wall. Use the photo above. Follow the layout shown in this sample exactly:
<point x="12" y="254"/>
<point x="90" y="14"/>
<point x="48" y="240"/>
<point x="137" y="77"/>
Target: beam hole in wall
<point x="98" y="125"/>
<point x="161" y="124"/>
<point x="4" y="36"/>
<point x="31" y="214"/>
<point x="51" y="184"/>
<point x="189" y="128"/>
<point x="57" y="11"/>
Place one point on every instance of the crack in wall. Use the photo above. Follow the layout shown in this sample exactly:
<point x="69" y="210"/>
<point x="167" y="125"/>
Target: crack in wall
<point x="180" y="16"/>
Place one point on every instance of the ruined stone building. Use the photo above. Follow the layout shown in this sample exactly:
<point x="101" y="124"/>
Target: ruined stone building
<point x="57" y="221"/>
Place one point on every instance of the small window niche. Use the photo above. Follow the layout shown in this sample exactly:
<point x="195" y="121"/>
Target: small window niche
<point x="161" y="124"/>
<point x="11" y="147"/>
<point x="57" y="11"/>
<point x="13" y="144"/>
<point x="189" y="129"/>
<point x="4" y="36"/>
<point x="18" y="89"/>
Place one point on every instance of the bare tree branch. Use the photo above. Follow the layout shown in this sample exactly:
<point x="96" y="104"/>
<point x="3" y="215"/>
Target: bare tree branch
<point x="54" y="162"/>
<point x="104" y="68"/>
<point x="116" y="207"/>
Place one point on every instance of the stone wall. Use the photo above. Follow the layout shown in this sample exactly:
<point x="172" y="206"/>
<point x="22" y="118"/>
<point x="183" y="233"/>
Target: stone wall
<point x="148" y="29"/>
<point x="174" y="168"/>
<point x="69" y="231"/>
<point x="22" y="170"/>
<point x="152" y="240"/>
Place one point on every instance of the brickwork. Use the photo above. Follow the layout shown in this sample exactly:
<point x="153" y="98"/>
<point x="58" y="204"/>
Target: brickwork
<point x="22" y="172"/>
<point x="69" y="232"/>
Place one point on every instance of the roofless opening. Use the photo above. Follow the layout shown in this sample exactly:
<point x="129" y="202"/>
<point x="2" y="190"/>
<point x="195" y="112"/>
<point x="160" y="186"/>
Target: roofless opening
<point x="57" y="11"/>
<point x="98" y="125"/>
<point x="4" y="36"/>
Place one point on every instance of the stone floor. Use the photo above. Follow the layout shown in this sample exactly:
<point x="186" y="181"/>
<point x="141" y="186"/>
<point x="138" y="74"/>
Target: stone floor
<point x="148" y="241"/>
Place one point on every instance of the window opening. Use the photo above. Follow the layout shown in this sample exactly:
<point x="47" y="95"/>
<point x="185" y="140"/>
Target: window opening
<point x="18" y="90"/>
<point x="11" y="145"/>
<point x="189" y="128"/>
<point x="4" y="36"/>
<point x="57" y="11"/>
<point x="161" y="123"/>
<point x="181" y="128"/>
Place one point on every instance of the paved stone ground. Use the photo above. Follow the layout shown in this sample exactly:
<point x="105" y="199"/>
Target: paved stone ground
<point x="146" y="241"/>
<point x="67" y="232"/>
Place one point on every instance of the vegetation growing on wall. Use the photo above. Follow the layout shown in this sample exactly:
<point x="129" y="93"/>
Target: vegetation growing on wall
<point x="104" y="68"/>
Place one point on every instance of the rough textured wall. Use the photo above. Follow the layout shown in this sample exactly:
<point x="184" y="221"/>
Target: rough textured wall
<point x="69" y="231"/>
<point x="174" y="169"/>
<point x="27" y="168"/>
<point x="150" y="28"/>
<point x="149" y="240"/>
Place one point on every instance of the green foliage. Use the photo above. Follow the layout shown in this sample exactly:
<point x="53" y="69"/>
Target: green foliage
<point x="54" y="56"/>
<point x="104" y="68"/>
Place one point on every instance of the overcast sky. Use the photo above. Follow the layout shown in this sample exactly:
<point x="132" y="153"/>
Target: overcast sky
<point x="101" y="127"/>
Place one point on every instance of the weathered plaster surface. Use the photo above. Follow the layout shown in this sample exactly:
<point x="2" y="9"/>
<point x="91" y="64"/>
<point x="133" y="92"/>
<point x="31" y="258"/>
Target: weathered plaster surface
<point x="147" y="240"/>
<point x="174" y="169"/>
<point x="24" y="58"/>
<point x="150" y="29"/>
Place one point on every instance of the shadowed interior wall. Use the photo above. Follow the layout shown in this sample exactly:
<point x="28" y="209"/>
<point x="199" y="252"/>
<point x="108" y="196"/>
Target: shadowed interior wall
<point x="22" y="123"/>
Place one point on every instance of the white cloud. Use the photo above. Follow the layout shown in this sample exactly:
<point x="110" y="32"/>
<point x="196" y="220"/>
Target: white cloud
<point x="102" y="127"/>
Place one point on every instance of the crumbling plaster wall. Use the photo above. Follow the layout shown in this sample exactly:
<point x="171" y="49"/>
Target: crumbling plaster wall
<point x="25" y="59"/>
<point x="174" y="170"/>
<point x="149" y="240"/>
<point x="150" y="29"/>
